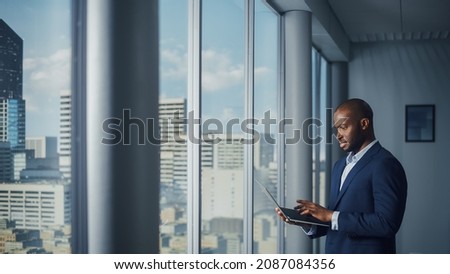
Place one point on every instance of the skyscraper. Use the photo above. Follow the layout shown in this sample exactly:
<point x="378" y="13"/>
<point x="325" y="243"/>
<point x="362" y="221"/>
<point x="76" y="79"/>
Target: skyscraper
<point x="65" y="134"/>
<point x="12" y="122"/>
<point x="5" y="162"/>
<point x="173" y="153"/>
<point x="11" y="57"/>
<point x="172" y="111"/>
<point x="172" y="124"/>
<point x="12" y="106"/>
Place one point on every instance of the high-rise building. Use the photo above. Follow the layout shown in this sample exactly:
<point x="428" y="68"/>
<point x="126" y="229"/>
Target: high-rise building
<point x="11" y="58"/>
<point x="36" y="205"/>
<point x="43" y="146"/>
<point x="229" y="152"/>
<point x="19" y="163"/>
<point x="65" y="133"/>
<point x="172" y="124"/>
<point x="6" y="171"/>
<point x="172" y="111"/>
<point x="222" y="194"/>
<point x="266" y="150"/>
<point x="12" y="106"/>
<point x="12" y="122"/>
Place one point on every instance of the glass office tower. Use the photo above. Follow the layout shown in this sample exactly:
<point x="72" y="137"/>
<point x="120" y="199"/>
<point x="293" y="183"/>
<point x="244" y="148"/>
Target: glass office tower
<point x="11" y="57"/>
<point x="12" y="106"/>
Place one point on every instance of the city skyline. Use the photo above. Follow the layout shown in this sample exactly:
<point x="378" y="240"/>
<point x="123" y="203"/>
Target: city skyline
<point x="46" y="88"/>
<point x="35" y="198"/>
<point x="44" y="27"/>
<point x="47" y="58"/>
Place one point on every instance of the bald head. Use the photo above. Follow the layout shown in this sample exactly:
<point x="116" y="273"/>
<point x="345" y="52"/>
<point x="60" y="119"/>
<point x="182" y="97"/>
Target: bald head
<point x="359" y="108"/>
<point x="353" y="120"/>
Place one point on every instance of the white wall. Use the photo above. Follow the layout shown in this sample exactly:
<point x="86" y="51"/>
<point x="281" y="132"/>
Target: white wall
<point x="389" y="76"/>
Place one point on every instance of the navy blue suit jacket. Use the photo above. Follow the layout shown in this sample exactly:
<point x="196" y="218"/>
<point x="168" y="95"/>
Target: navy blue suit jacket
<point x="371" y="204"/>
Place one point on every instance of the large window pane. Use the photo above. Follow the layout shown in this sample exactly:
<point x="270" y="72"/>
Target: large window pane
<point x="172" y="109"/>
<point x="320" y="101"/>
<point x="222" y="112"/>
<point x="35" y="126"/>
<point x="223" y="108"/>
<point x="265" y="104"/>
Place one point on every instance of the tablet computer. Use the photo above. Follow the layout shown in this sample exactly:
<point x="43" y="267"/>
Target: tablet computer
<point x="290" y="214"/>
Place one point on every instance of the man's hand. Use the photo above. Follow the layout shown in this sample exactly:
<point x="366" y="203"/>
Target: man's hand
<point x="305" y="207"/>
<point x="279" y="213"/>
<point x="283" y="218"/>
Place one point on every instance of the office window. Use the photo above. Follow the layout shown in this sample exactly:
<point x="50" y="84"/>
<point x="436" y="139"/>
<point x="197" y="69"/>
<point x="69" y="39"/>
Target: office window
<point x="266" y="97"/>
<point x="35" y="75"/>
<point x="172" y="109"/>
<point x="223" y="86"/>
<point x="223" y="108"/>
<point x="322" y="127"/>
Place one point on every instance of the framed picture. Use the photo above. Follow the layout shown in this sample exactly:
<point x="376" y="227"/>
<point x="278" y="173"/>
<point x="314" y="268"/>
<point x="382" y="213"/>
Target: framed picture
<point x="419" y="123"/>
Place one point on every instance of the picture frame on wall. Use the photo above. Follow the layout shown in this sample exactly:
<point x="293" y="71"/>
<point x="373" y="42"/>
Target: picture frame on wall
<point x="420" y="123"/>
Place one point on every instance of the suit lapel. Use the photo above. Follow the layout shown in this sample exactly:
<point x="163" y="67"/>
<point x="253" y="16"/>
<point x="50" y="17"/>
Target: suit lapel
<point x="336" y="182"/>
<point x="358" y="167"/>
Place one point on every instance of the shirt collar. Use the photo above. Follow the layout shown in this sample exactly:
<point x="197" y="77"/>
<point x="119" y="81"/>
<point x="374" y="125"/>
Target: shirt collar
<point x="354" y="158"/>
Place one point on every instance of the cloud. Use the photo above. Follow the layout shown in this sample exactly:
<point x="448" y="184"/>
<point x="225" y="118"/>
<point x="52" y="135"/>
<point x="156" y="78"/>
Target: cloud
<point x="45" y="77"/>
<point x="39" y="75"/>
<point x="49" y="74"/>
<point x="219" y="72"/>
<point x="29" y="63"/>
<point x="262" y="71"/>
<point x="173" y="64"/>
<point x="30" y="104"/>
<point x="228" y="114"/>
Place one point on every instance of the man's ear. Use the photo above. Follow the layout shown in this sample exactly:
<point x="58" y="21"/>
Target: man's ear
<point x="365" y="123"/>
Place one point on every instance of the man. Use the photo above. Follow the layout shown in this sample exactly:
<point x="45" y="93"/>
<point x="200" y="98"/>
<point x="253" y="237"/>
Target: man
<point x="368" y="189"/>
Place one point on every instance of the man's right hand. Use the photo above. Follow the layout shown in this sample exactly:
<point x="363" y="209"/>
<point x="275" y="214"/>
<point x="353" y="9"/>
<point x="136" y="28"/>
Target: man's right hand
<point x="306" y="227"/>
<point x="283" y="218"/>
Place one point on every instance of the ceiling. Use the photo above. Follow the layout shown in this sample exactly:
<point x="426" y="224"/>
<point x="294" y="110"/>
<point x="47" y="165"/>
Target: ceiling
<point x="338" y="23"/>
<point x="388" y="20"/>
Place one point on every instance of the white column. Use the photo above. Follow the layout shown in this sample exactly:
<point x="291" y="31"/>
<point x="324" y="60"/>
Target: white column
<point x="249" y="114"/>
<point x="194" y="129"/>
<point x="122" y="73"/>
<point x="298" y="84"/>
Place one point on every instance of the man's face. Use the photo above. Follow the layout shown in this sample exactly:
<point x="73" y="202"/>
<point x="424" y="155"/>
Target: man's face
<point x="349" y="132"/>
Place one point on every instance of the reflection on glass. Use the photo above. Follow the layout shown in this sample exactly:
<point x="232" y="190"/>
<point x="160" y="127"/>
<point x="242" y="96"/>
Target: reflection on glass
<point x="223" y="108"/>
<point x="265" y="103"/>
<point x="35" y="192"/>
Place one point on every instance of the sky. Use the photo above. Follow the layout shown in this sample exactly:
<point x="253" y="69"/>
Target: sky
<point x="223" y="82"/>
<point x="45" y="27"/>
